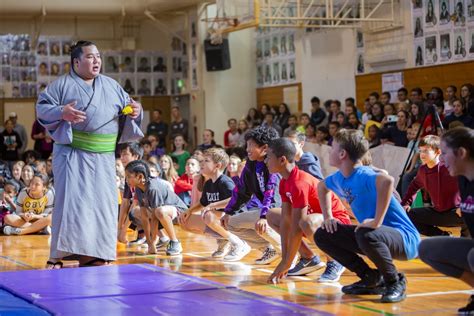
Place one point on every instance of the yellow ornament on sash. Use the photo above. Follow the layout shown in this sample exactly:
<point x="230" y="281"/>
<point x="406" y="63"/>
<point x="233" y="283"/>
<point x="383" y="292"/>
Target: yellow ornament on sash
<point x="127" y="110"/>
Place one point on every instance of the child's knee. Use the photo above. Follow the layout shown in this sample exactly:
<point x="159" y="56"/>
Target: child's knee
<point x="321" y="236"/>
<point x="208" y="217"/>
<point x="160" y="212"/>
<point x="47" y="220"/>
<point x="425" y="249"/>
<point x="305" y="224"/>
<point x="9" y="220"/>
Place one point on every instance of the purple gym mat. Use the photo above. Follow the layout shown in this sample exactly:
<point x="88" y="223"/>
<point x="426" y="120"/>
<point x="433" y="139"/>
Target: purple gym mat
<point x="38" y="285"/>
<point x="12" y="305"/>
<point x="139" y="289"/>
<point x="228" y="302"/>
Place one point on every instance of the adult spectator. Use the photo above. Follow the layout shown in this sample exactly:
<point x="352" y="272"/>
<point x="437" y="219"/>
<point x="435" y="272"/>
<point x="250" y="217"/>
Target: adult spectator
<point x="158" y="127"/>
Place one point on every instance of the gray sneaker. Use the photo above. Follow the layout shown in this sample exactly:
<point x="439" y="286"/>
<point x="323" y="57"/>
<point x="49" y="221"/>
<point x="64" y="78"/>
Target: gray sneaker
<point x="223" y="248"/>
<point x="162" y="244"/>
<point x="9" y="230"/>
<point x="332" y="273"/>
<point x="269" y="255"/>
<point x="174" y="248"/>
<point x="237" y="252"/>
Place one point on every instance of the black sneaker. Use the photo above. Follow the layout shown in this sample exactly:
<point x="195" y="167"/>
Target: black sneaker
<point x="372" y="283"/>
<point x="468" y="309"/>
<point x="395" y="291"/>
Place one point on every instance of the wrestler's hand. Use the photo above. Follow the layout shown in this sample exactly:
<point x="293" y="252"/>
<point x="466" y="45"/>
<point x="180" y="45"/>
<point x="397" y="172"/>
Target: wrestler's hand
<point x="137" y="108"/>
<point x="72" y="115"/>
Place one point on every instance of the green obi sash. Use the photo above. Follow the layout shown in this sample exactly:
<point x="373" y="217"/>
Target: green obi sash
<point x="96" y="143"/>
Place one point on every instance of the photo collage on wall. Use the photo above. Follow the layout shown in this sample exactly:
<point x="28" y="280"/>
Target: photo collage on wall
<point x="443" y="31"/>
<point x="193" y="36"/>
<point x="180" y="64"/>
<point x="53" y="59"/>
<point x="141" y="73"/>
<point x="275" y="57"/>
<point x="360" y="64"/>
<point x="25" y="70"/>
<point x="17" y="67"/>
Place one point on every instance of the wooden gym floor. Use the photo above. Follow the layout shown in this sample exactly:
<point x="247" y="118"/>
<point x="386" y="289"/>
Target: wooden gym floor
<point x="428" y="291"/>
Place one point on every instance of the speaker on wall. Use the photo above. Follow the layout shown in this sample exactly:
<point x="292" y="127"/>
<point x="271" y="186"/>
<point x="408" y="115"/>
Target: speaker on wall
<point x="217" y="56"/>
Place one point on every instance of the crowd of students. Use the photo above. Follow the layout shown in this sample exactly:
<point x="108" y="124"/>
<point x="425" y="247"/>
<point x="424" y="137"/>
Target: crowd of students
<point x="262" y="191"/>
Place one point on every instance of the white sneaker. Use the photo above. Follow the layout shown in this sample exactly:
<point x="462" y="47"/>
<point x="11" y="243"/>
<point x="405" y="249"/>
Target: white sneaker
<point x="138" y="242"/>
<point x="9" y="230"/>
<point x="223" y="248"/>
<point x="269" y="255"/>
<point x="237" y="252"/>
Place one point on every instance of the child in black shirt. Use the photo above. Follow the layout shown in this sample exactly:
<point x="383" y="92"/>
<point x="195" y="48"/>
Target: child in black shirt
<point x="216" y="193"/>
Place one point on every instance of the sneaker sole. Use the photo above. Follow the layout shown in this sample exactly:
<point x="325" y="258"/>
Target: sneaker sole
<point x="386" y="300"/>
<point x="261" y="263"/>
<point x="320" y="280"/>
<point x="308" y="270"/>
<point x="328" y="280"/>
<point x="378" y="291"/>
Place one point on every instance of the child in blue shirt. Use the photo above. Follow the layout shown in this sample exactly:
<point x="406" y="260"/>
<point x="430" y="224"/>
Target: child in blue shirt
<point x="384" y="231"/>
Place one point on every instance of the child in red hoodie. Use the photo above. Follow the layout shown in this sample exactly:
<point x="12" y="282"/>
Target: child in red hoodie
<point x="433" y="177"/>
<point x="184" y="184"/>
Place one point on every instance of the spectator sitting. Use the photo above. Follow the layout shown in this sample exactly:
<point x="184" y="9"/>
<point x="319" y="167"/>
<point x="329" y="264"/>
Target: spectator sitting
<point x="283" y="115"/>
<point x="184" y="184"/>
<point x="373" y="136"/>
<point x="322" y="134"/>
<point x="341" y="118"/>
<point x="155" y="149"/>
<point x="458" y="115"/>
<point x="254" y="118"/>
<point x="244" y="128"/>
<point x="207" y="140"/>
<point x="292" y="125"/>
<point x="334" y="109"/>
<point x="268" y="121"/>
<point x="396" y="135"/>
<point x="318" y="115"/>
<point x="334" y="127"/>
<point x="231" y="136"/>
<point x="169" y="171"/>
<point x="310" y="134"/>
<point x="353" y="122"/>
<point x="304" y="121"/>
<point x="180" y="154"/>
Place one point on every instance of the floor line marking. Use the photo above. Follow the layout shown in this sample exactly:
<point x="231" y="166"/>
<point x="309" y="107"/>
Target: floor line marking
<point x="373" y="310"/>
<point x="441" y="293"/>
<point x="17" y="262"/>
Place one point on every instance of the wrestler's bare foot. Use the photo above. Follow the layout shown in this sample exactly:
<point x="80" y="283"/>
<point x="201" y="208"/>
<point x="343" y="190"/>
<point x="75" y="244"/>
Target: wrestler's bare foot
<point x="86" y="261"/>
<point x="53" y="264"/>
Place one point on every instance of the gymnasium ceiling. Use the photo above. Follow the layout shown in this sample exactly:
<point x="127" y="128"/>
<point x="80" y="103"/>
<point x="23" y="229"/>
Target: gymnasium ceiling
<point x="92" y="7"/>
